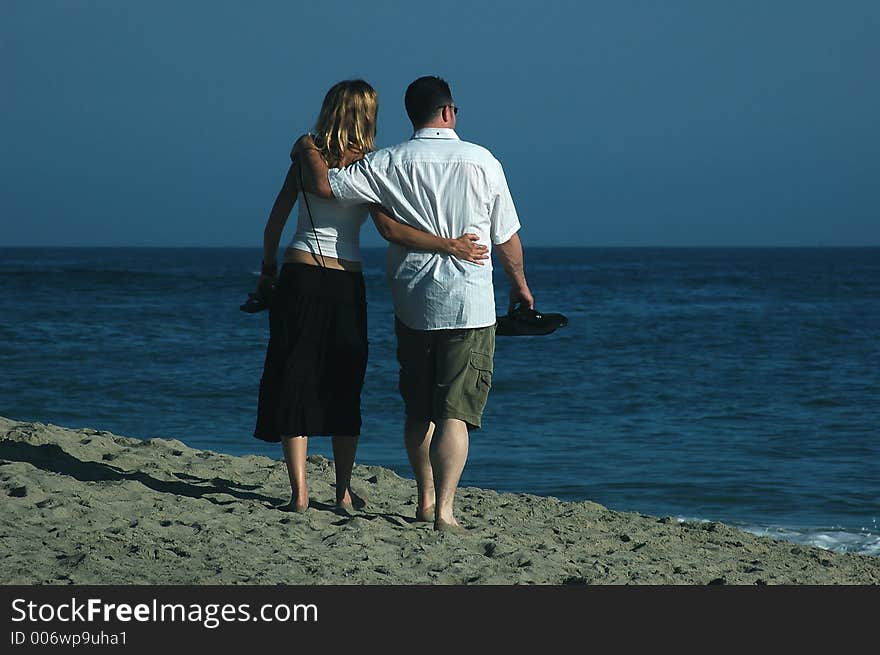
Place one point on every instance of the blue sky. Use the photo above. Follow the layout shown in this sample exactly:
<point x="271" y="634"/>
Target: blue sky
<point x="619" y="123"/>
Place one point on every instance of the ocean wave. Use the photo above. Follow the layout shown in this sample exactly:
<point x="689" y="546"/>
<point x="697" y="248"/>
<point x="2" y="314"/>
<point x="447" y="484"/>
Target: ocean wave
<point x="842" y="541"/>
<point x="865" y="541"/>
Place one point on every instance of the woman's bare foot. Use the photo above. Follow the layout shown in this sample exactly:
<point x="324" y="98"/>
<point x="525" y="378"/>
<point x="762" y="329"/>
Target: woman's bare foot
<point x="299" y="502"/>
<point x="345" y="505"/>
<point x="425" y="515"/>
<point x="294" y="506"/>
<point x="350" y="501"/>
<point x="443" y="526"/>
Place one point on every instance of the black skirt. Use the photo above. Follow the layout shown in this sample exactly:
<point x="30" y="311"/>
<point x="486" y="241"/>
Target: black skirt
<point x="317" y="355"/>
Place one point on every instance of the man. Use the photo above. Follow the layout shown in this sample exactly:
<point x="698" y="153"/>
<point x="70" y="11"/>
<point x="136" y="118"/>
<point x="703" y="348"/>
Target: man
<point x="444" y="307"/>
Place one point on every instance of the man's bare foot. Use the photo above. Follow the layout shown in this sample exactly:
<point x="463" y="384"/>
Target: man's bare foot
<point x="443" y="526"/>
<point x="425" y="515"/>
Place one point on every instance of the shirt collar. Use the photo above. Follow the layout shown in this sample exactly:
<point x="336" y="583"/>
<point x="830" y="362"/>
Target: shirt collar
<point x="435" y="133"/>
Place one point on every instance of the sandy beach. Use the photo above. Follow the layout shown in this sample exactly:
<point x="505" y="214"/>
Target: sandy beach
<point x="84" y="506"/>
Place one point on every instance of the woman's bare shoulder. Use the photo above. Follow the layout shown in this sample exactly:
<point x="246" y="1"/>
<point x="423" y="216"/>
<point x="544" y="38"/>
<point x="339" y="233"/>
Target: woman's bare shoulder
<point x="351" y="156"/>
<point x="304" y="142"/>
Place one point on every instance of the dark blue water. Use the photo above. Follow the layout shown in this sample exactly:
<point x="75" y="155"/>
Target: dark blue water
<point x="739" y="385"/>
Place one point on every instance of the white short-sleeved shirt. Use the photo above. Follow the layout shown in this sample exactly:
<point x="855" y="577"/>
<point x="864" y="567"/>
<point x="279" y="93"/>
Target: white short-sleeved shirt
<point x="438" y="183"/>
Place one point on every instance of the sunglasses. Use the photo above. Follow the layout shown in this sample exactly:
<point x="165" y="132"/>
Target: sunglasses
<point x="454" y="108"/>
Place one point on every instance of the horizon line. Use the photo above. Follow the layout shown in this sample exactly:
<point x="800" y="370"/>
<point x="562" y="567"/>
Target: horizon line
<point x="525" y="247"/>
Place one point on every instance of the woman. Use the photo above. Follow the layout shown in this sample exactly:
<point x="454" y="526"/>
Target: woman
<point x="317" y="353"/>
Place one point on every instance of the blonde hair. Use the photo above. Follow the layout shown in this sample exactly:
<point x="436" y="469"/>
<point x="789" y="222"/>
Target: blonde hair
<point x="347" y="121"/>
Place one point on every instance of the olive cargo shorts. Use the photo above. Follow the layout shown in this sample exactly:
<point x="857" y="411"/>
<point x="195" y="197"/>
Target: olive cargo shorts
<point x="445" y="373"/>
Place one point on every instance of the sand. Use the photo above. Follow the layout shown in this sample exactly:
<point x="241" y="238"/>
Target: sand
<point x="84" y="506"/>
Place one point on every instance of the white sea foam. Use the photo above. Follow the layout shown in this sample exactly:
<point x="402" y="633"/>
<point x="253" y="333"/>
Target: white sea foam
<point x="841" y="541"/>
<point x="863" y="542"/>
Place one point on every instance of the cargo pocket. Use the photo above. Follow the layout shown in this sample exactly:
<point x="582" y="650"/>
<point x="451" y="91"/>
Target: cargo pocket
<point x="482" y="365"/>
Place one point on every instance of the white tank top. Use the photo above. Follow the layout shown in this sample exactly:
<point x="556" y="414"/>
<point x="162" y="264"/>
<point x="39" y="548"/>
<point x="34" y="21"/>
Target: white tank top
<point x="337" y="224"/>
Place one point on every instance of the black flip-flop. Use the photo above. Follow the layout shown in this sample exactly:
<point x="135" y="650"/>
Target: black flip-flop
<point x="259" y="301"/>
<point x="522" y="321"/>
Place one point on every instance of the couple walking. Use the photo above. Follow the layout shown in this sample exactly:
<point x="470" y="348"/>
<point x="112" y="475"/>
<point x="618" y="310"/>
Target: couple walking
<point x="443" y="204"/>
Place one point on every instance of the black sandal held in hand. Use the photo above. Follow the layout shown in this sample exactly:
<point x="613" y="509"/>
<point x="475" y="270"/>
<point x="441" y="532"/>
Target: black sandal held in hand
<point x="262" y="298"/>
<point x="522" y="321"/>
<point x="258" y="301"/>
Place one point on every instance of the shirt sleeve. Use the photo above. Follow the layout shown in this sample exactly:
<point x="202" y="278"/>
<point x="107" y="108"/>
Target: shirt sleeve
<point x="502" y="215"/>
<point x="355" y="183"/>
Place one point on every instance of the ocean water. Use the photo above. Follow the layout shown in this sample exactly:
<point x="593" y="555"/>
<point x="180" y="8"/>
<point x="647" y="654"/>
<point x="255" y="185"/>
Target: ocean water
<point x="734" y="385"/>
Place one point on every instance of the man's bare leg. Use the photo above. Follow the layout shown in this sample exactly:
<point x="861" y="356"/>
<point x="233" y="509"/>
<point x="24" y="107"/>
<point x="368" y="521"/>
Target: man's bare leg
<point x="344" y="449"/>
<point x="449" y="450"/>
<point x="418" y="437"/>
<point x="295" y="450"/>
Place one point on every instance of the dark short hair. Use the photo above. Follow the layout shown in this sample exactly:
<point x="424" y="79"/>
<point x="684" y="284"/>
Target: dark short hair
<point x="425" y="97"/>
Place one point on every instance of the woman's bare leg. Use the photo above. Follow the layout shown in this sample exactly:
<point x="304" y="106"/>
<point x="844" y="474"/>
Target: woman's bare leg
<point x="344" y="450"/>
<point x="295" y="450"/>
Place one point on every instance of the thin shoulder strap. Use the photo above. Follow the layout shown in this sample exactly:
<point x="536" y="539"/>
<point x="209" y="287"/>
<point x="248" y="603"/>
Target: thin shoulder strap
<point x="311" y="220"/>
